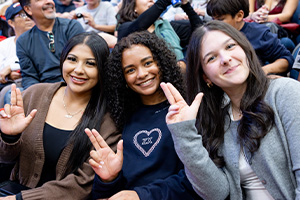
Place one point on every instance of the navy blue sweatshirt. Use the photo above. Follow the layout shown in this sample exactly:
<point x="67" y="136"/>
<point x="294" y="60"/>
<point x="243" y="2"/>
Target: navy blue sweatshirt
<point x="267" y="46"/>
<point x="151" y="166"/>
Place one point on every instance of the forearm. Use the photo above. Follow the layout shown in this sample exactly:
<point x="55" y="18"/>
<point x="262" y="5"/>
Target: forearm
<point x="279" y="66"/>
<point x="195" y="20"/>
<point x="209" y="181"/>
<point x="9" y="148"/>
<point x="105" y="28"/>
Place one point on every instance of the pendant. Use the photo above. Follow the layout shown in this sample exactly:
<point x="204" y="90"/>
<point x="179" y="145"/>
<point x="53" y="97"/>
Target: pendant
<point x="68" y="116"/>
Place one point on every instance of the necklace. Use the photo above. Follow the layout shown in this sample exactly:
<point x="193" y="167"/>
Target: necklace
<point x="69" y="115"/>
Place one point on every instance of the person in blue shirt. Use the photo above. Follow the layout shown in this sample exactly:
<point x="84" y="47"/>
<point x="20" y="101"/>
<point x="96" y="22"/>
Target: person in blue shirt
<point x="274" y="57"/>
<point x="148" y="166"/>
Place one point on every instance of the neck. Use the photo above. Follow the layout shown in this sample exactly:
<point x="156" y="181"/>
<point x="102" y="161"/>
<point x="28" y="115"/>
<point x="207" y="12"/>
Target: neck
<point x="236" y="94"/>
<point x="240" y="25"/>
<point x="74" y="99"/>
<point x="45" y="24"/>
<point x="154" y="99"/>
<point x="93" y="6"/>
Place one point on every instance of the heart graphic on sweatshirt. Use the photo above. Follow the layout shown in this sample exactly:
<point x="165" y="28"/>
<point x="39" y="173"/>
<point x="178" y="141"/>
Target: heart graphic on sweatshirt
<point x="146" y="141"/>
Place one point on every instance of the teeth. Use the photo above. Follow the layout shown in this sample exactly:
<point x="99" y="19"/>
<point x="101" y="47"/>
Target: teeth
<point x="145" y="83"/>
<point x="77" y="79"/>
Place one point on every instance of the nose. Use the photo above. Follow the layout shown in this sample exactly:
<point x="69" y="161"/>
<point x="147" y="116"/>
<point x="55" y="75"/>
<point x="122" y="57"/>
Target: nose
<point x="225" y="58"/>
<point x="79" y="68"/>
<point x="142" y="72"/>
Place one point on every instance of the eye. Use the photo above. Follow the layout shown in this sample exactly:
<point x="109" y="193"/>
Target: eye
<point x="129" y="70"/>
<point x="71" y="58"/>
<point x="91" y="63"/>
<point x="211" y="58"/>
<point x="148" y="63"/>
<point x="230" y="46"/>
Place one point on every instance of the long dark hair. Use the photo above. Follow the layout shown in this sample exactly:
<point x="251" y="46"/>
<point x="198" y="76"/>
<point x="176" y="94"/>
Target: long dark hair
<point x="96" y="107"/>
<point x="257" y="118"/>
<point x="126" y="12"/>
<point x="122" y="101"/>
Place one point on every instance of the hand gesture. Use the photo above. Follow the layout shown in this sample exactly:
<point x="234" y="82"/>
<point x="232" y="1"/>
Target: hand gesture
<point x="12" y="118"/>
<point x="125" y="195"/>
<point x="105" y="162"/>
<point x="88" y="19"/>
<point x="261" y="15"/>
<point x="179" y="110"/>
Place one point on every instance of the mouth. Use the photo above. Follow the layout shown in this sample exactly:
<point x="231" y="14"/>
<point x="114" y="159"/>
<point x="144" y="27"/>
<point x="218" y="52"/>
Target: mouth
<point x="147" y="82"/>
<point x="48" y="7"/>
<point x="78" y="80"/>
<point x="231" y="69"/>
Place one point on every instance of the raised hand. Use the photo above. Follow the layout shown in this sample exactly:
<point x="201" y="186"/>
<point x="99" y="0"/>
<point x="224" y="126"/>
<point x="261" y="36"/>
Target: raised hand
<point x="179" y="110"/>
<point x="105" y="162"/>
<point x="125" y="195"/>
<point x="12" y="118"/>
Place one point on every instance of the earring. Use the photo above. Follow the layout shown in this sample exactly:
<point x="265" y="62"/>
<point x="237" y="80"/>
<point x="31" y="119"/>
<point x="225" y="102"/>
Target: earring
<point x="126" y="86"/>
<point x="209" y="85"/>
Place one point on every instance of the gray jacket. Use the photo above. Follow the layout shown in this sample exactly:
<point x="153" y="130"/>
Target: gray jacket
<point x="276" y="162"/>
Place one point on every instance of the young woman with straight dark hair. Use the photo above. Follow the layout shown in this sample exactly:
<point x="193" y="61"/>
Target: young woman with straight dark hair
<point x="239" y="136"/>
<point x="49" y="146"/>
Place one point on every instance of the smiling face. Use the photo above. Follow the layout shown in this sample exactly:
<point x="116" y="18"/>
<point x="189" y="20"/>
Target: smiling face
<point x="40" y="9"/>
<point x="142" y="5"/>
<point x="80" y="70"/>
<point x="142" y="74"/>
<point x="224" y="61"/>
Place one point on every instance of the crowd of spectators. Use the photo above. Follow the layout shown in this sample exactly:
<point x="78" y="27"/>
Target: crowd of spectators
<point x="91" y="72"/>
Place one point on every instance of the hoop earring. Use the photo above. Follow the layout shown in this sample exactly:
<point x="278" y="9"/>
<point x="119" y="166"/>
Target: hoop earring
<point x="209" y="85"/>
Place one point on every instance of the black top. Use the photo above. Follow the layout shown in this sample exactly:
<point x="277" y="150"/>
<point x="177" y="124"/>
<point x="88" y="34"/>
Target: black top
<point x="54" y="141"/>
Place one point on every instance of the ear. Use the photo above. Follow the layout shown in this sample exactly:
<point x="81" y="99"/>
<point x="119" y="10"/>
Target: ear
<point x="239" y="16"/>
<point x="11" y="23"/>
<point x="206" y="79"/>
<point x="27" y="9"/>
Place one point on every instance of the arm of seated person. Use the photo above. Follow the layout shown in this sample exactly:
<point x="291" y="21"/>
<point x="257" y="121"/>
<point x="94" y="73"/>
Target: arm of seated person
<point x="287" y="12"/>
<point x="279" y="66"/>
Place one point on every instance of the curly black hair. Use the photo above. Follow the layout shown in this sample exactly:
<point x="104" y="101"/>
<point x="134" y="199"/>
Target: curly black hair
<point x="122" y="101"/>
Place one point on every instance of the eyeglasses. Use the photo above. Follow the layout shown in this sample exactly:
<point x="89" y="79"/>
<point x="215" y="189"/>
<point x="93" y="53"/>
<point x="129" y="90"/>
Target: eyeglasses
<point x="51" y="43"/>
<point x="21" y="15"/>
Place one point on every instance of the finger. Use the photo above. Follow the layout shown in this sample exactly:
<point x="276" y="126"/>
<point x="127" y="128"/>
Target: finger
<point x="167" y="93"/>
<point x="7" y="110"/>
<point x="19" y="99"/>
<point x="174" y="108"/>
<point x="120" y="149"/>
<point x="170" y="116"/>
<point x="99" y="139"/>
<point x="13" y="95"/>
<point x="92" y="139"/>
<point x="30" y="117"/>
<point x="197" y="101"/>
<point x="96" y="155"/>
<point x="177" y="96"/>
<point x="2" y="113"/>
<point x="95" y="164"/>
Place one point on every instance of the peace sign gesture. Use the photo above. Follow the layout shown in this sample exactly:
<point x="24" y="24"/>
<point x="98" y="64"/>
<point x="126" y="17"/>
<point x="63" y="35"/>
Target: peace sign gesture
<point x="12" y="117"/>
<point x="179" y="110"/>
<point x="105" y="162"/>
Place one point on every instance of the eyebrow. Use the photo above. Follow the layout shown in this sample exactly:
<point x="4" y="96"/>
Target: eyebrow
<point x="143" y="60"/>
<point x="211" y="51"/>
<point x="70" y="54"/>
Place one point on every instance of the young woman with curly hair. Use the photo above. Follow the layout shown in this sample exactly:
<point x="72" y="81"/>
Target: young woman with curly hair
<point x="151" y="167"/>
<point x="243" y="143"/>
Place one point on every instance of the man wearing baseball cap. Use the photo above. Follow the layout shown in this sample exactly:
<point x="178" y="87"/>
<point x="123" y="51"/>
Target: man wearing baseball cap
<point x="9" y="62"/>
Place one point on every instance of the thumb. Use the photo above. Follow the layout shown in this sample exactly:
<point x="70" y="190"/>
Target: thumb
<point x="120" y="150"/>
<point x="197" y="101"/>
<point x="30" y="117"/>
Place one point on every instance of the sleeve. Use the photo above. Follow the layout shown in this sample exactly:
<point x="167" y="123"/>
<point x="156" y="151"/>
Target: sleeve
<point x="76" y="185"/>
<point x="74" y="28"/>
<point x="9" y="151"/>
<point x="209" y="181"/>
<point x="174" y="187"/>
<point x="29" y="73"/>
<point x="273" y="49"/>
<point x="185" y="28"/>
<point x="145" y="20"/>
<point x="111" y="15"/>
<point x="105" y="190"/>
<point x="288" y="106"/>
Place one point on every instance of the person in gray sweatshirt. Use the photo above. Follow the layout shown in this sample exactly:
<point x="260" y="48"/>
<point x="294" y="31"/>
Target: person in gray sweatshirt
<point x="238" y="133"/>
